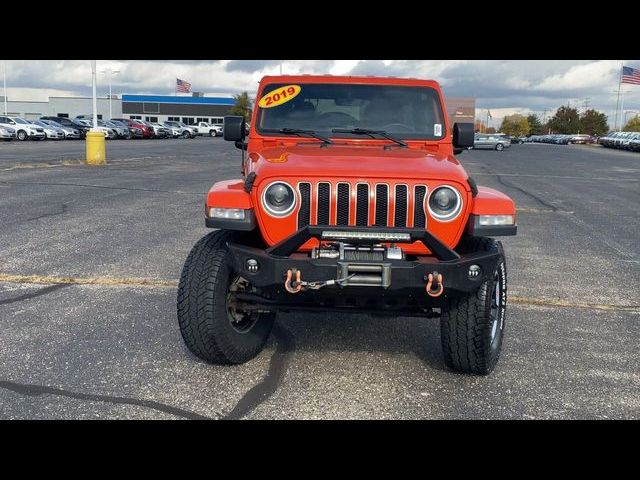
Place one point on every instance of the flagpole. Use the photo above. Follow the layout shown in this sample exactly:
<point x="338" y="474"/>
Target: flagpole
<point x="615" y="126"/>
<point x="621" y="108"/>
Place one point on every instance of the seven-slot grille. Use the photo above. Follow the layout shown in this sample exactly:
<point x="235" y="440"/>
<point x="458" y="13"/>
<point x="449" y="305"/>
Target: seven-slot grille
<point x="375" y="197"/>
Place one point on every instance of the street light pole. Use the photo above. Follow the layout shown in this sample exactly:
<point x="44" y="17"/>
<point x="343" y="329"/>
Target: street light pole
<point x="4" y="81"/>
<point x="111" y="74"/>
<point x="95" y="147"/>
<point x="95" y="101"/>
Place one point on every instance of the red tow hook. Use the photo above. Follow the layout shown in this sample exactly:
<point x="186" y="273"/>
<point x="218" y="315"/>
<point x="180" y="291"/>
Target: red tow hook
<point x="436" y="278"/>
<point x="296" y="286"/>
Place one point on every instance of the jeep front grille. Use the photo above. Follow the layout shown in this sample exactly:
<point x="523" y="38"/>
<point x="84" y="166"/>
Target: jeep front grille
<point x="369" y="203"/>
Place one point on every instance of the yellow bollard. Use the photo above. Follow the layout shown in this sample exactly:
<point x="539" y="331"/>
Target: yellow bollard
<point x="96" y="149"/>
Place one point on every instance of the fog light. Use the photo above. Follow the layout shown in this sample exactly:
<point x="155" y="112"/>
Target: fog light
<point x="252" y="265"/>
<point x="496" y="220"/>
<point x="227" y="213"/>
<point x="474" y="272"/>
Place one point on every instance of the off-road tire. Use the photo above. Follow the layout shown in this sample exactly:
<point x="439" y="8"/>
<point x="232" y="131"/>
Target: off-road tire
<point x="202" y="306"/>
<point x="466" y="323"/>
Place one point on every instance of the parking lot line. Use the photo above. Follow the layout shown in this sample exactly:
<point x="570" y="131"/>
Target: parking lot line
<point x="107" y="281"/>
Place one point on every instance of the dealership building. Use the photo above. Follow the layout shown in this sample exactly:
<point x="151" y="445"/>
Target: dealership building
<point x="182" y="108"/>
<point x="153" y="108"/>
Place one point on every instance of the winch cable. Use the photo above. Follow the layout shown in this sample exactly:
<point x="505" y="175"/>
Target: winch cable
<point x="298" y="284"/>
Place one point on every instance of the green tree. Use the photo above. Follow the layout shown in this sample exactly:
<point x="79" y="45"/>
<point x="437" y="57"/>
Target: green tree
<point x="593" y="122"/>
<point x="515" y="125"/>
<point x="633" y="125"/>
<point x="565" y="120"/>
<point x="242" y="106"/>
<point x="535" y="125"/>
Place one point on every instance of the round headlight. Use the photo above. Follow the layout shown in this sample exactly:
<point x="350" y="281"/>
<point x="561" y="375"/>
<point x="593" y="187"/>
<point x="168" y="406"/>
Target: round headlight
<point x="445" y="203"/>
<point x="279" y="199"/>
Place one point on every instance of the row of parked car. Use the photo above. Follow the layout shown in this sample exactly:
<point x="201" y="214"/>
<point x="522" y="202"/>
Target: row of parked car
<point x="62" y="128"/>
<point x="559" y="139"/>
<point x="623" y="140"/>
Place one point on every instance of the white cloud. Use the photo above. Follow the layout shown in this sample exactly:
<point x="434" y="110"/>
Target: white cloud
<point x="502" y="85"/>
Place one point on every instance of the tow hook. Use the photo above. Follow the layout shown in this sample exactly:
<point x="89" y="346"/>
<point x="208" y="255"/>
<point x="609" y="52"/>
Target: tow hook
<point x="295" y="286"/>
<point x="435" y="278"/>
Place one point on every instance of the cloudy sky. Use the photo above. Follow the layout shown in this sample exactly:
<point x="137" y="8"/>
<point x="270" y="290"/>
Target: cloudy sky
<point x="503" y="86"/>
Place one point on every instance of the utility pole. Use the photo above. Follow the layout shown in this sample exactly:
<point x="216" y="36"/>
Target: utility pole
<point x="587" y="103"/>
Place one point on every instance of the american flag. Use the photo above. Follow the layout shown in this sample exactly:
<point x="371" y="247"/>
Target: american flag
<point x="182" y="86"/>
<point x="631" y="75"/>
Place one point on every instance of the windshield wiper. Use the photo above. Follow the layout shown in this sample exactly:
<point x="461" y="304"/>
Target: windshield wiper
<point x="371" y="133"/>
<point x="299" y="131"/>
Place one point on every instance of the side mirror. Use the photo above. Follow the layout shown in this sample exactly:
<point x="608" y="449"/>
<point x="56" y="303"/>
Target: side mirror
<point x="234" y="128"/>
<point x="463" y="136"/>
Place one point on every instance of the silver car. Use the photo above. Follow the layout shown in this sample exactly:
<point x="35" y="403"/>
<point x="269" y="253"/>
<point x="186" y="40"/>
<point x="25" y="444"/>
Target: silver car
<point x="50" y="132"/>
<point x="493" y="142"/>
<point x="7" y="133"/>
<point x="122" y="131"/>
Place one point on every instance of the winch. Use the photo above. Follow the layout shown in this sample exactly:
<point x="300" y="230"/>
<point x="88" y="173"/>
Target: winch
<point x="357" y="253"/>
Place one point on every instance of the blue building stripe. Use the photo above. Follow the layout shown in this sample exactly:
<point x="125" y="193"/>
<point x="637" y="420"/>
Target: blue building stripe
<point x="178" y="99"/>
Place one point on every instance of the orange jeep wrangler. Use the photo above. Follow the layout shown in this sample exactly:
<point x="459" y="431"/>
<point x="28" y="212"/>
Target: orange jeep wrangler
<point x="351" y="201"/>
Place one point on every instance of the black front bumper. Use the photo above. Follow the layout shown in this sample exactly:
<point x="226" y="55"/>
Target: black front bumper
<point x="399" y="278"/>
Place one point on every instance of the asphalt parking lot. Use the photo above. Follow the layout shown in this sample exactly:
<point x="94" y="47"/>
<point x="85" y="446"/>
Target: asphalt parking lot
<point x="109" y="346"/>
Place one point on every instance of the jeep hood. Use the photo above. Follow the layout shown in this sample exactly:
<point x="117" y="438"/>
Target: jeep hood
<point x="365" y="162"/>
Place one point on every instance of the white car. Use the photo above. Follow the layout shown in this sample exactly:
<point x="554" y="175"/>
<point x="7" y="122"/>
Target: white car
<point x="7" y="133"/>
<point x="186" y="131"/>
<point x="204" y="128"/>
<point x="24" y="129"/>
<point x="50" y="132"/>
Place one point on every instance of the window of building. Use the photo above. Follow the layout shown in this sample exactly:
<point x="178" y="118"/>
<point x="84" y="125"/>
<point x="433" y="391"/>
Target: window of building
<point x="173" y="119"/>
<point x="63" y="115"/>
<point x="151" y="119"/>
<point x="217" y="120"/>
<point x="188" y="120"/>
<point x="135" y="117"/>
<point x="205" y="120"/>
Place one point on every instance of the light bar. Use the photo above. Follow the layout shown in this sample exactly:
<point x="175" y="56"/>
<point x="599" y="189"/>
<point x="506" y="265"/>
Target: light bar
<point x="386" y="236"/>
<point x="227" y="213"/>
<point x="496" y="220"/>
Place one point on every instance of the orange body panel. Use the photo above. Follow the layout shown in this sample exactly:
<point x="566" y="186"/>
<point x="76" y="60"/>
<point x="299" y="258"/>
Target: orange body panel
<point x="492" y="202"/>
<point x="354" y="160"/>
<point x="229" y="194"/>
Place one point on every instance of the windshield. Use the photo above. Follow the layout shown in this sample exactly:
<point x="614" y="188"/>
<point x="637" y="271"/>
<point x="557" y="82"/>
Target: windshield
<point x="404" y="112"/>
<point x="19" y="120"/>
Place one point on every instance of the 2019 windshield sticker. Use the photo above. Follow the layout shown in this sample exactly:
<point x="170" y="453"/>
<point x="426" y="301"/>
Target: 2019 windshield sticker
<point x="279" y="96"/>
<point x="437" y="130"/>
